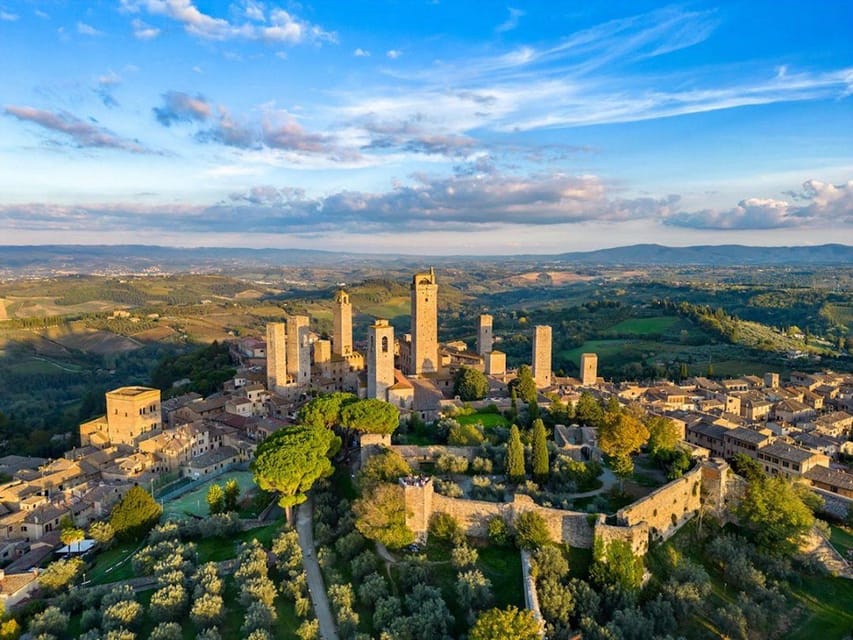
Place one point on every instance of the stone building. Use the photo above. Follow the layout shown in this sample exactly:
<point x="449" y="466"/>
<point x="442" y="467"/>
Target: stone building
<point x="276" y="356"/>
<point x="131" y="412"/>
<point x="380" y="359"/>
<point x="495" y="363"/>
<point x="485" y="338"/>
<point x="424" y="345"/>
<point x="299" y="349"/>
<point x="542" y="356"/>
<point x="589" y="369"/>
<point x="342" y="325"/>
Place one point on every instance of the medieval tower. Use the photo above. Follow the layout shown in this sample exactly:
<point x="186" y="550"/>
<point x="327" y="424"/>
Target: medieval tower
<point x="589" y="369"/>
<point x="299" y="349"/>
<point x="276" y="356"/>
<point x="484" y="335"/>
<point x="542" y="356"/>
<point x="342" y="325"/>
<point x="380" y="359"/>
<point x="424" y="324"/>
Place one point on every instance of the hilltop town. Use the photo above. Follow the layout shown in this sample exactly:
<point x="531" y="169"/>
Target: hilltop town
<point x="798" y="429"/>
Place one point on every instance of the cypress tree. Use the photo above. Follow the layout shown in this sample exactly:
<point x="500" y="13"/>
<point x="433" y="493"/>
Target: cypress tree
<point x="540" y="452"/>
<point x="514" y="457"/>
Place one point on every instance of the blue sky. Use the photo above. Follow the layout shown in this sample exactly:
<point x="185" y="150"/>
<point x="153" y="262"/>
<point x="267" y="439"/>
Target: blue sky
<point x="431" y="127"/>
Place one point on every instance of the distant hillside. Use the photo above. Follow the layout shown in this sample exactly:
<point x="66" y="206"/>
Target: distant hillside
<point x="103" y="259"/>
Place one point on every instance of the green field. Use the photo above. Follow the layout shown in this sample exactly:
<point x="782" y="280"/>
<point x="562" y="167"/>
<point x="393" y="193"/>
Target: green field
<point x="195" y="502"/>
<point x="643" y="326"/>
<point x="842" y="539"/>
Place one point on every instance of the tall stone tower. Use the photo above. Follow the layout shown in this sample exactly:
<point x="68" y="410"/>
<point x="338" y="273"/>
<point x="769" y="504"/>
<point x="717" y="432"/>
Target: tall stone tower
<point x="424" y="323"/>
<point x="299" y="349"/>
<point x="276" y="356"/>
<point x="342" y="325"/>
<point x="132" y="411"/>
<point x="542" y="356"/>
<point x="484" y="334"/>
<point x="380" y="359"/>
<point x="589" y="369"/>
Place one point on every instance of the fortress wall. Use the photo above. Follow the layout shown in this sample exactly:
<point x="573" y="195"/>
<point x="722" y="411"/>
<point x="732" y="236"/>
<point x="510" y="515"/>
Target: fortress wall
<point x="571" y="527"/>
<point x="667" y="508"/>
<point x="636" y="535"/>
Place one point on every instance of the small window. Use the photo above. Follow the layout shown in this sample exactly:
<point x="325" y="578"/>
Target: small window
<point x="384" y="344"/>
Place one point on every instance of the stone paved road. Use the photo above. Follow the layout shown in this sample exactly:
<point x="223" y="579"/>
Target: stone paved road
<point x="312" y="570"/>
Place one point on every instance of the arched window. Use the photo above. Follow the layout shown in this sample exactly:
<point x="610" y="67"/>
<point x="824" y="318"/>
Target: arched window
<point x="384" y="344"/>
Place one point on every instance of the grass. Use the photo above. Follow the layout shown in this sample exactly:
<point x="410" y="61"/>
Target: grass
<point x="829" y="602"/>
<point x="112" y="565"/>
<point x="218" y="549"/>
<point x="580" y="560"/>
<point x="487" y="420"/>
<point x="503" y="567"/>
<point x="195" y="502"/>
<point x="842" y="539"/>
<point x="643" y="326"/>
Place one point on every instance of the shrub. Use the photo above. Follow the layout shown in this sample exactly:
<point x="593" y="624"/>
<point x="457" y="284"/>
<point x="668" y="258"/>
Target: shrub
<point x="445" y="527"/>
<point x="463" y="556"/>
<point x="448" y="463"/>
<point x="498" y="531"/>
<point x="481" y="465"/>
<point x="531" y="531"/>
<point x="447" y="488"/>
<point x="465" y="435"/>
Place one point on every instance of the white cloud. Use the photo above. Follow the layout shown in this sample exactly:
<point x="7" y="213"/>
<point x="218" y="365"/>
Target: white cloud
<point x="276" y="25"/>
<point x="6" y="16"/>
<point x="143" y="31"/>
<point x="88" y="30"/>
<point x="393" y="53"/>
<point x="511" y="22"/>
<point x="361" y="53"/>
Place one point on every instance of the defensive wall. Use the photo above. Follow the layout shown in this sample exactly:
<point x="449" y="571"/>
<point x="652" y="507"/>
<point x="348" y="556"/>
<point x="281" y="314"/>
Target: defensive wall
<point x="710" y="485"/>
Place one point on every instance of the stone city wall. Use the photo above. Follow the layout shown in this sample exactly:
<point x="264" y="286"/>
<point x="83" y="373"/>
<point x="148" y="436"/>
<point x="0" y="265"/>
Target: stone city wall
<point x="666" y="509"/>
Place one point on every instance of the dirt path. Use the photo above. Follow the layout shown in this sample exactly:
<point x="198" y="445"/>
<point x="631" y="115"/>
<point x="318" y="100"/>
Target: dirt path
<point x="826" y="554"/>
<point x="316" y="587"/>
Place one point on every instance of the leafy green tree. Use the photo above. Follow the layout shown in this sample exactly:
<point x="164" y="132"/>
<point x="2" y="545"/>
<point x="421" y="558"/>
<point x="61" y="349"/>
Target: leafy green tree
<point x="445" y="527"/>
<point x="465" y="435"/>
<point x="470" y="384"/>
<point x="588" y="411"/>
<point x="620" y="435"/>
<point x="215" y="499"/>
<point x="498" y="531"/>
<point x="473" y="589"/>
<point x="60" y="573"/>
<point x="541" y="465"/>
<point x="774" y="511"/>
<point x="102" y="532"/>
<point x="135" y="514"/>
<point x="614" y="563"/>
<point x="325" y="410"/>
<point x="663" y="435"/>
<point x="207" y="610"/>
<point x="370" y="416"/>
<point x="748" y="468"/>
<point x="505" y="624"/>
<point x="386" y="466"/>
<point x="381" y="515"/>
<point x="531" y="531"/>
<point x="515" y="456"/>
<point x="232" y="494"/>
<point x="50" y="621"/>
<point x="292" y="459"/>
<point x="524" y="384"/>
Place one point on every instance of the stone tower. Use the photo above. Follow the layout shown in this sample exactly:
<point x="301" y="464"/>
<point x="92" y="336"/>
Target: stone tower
<point x="542" y="356"/>
<point x="417" y="495"/>
<point x="380" y="359"/>
<point x="342" y="325"/>
<point x="771" y="380"/>
<point x="484" y="334"/>
<point x="424" y="323"/>
<point x="276" y="356"/>
<point x="132" y="411"/>
<point x="589" y="369"/>
<point x="299" y="349"/>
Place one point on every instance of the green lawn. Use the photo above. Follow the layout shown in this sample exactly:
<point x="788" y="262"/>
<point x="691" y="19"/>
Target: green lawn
<point x="218" y="549"/>
<point x="113" y="564"/>
<point x="842" y="540"/>
<point x="488" y="420"/>
<point x="503" y="567"/>
<point x="643" y="326"/>
<point x="829" y="602"/>
<point x="195" y="502"/>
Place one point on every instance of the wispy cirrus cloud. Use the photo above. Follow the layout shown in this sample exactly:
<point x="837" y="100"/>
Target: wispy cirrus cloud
<point x="80" y="132"/>
<point x="8" y="16"/>
<point x="511" y="22"/>
<point x="143" y="30"/>
<point x="275" y="25"/>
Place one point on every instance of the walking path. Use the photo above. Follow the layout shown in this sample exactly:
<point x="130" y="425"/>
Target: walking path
<point x="316" y="587"/>
<point x="608" y="479"/>
<point x="833" y="562"/>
